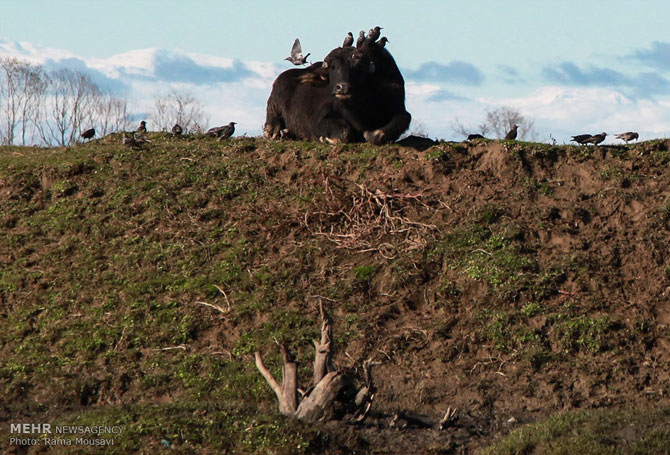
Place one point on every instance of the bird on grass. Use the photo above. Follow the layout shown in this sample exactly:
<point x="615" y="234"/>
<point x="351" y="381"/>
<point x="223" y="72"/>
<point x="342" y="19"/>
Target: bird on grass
<point x="511" y="134"/>
<point x="361" y="39"/>
<point x="475" y="136"/>
<point x="581" y="138"/>
<point x="134" y="140"/>
<point x="227" y="131"/>
<point x="177" y="129"/>
<point x="296" y="56"/>
<point x="142" y="128"/>
<point x="629" y="136"/>
<point x="88" y="134"/>
<point x="595" y="139"/>
<point x="349" y="40"/>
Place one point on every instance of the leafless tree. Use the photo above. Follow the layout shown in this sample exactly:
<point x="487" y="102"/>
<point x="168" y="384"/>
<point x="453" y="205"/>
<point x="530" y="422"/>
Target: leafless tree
<point x="111" y="114"/>
<point x="178" y="107"/>
<point x="462" y="130"/>
<point x="21" y="84"/>
<point x="499" y="121"/>
<point x="70" y="105"/>
<point x="503" y="118"/>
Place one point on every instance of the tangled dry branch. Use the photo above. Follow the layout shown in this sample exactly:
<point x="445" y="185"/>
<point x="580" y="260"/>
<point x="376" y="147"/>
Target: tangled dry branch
<point x="363" y="219"/>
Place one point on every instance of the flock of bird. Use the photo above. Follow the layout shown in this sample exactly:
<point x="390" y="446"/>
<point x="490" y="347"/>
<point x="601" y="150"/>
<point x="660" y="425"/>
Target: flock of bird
<point x="582" y="139"/>
<point x="298" y="58"/>
<point x="596" y="139"/>
<point x="137" y="139"/>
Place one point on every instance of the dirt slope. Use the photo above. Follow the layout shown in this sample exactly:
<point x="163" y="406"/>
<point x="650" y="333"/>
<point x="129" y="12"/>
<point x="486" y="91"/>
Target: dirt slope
<point x="509" y="280"/>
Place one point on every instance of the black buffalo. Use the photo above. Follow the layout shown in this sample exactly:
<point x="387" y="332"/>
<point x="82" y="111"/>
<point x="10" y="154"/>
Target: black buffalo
<point x="354" y="95"/>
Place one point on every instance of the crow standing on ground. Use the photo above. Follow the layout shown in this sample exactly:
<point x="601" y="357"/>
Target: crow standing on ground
<point x="581" y="138"/>
<point x="143" y="127"/>
<point x="227" y="131"/>
<point x="88" y="134"/>
<point x="595" y="139"/>
<point x="349" y="40"/>
<point x="511" y="134"/>
<point x="177" y="129"/>
<point x="296" y="56"/>
<point x="629" y="136"/>
<point x="475" y="136"/>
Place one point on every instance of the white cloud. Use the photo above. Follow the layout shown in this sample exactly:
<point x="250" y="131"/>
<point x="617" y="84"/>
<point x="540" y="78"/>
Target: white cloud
<point x="565" y="111"/>
<point x="234" y="90"/>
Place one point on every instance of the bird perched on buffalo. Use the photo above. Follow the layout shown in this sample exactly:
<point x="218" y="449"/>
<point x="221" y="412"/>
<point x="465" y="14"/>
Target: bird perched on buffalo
<point x="177" y="129"/>
<point x="627" y="137"/>
<point x="142" y="128"/>
<point x="511" y="134"/>
<point x="361" y="39"/>
<point x="227" y="131"/>
<point x="88" y="134"/>
<point x="349" y="40"/>
<point x="373" y="34"/>
<point x="581" y="138"/>
<point x="383" y="41"/>
<point x="296" y="56"/>
<point x="595" y="139"/>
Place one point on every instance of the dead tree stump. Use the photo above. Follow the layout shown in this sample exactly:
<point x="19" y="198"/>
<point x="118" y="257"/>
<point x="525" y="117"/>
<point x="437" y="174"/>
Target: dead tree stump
<point x="332" y="394"/>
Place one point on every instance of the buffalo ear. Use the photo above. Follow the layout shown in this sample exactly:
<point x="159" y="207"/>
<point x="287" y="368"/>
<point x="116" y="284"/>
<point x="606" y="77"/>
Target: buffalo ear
<point x="371" y="68"/>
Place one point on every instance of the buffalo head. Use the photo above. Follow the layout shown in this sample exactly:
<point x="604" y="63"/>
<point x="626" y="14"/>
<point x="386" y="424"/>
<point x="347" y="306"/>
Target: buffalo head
<point x="348" y="70"/>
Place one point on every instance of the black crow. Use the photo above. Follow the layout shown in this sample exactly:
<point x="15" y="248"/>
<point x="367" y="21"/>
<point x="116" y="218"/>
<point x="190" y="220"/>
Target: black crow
<point x="349" y="40"/>
<point x="511" y="134"/>
<point x="227" y="131"/>
<point x="88" y="134"/>
<point x="581" y="138"/>
<point x="361" y="39"/>
<point x="595" y="139"/>
<point x="373" y="34"/>
<point x="177" y="129"/>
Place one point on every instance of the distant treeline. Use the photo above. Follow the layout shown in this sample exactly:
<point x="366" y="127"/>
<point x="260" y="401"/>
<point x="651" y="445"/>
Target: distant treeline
<point x="53" y="107"/>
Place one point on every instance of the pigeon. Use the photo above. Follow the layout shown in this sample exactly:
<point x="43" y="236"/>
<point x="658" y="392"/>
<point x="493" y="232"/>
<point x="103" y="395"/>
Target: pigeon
<point x="134" y="140"/>
<point x="361" y="39"/>
<point x="629" y="136"/>
<point x="142" y="128"/>
<point x="383" y="41"/>
<point x="227" y="131"/>
<point x="177" y="129"/>
<point x="373" y="34"/>
<point x="581" y="138"/>
<point x="511" y="134"/>
<point x="296" y="54"/>
<point x="474" y="136"/>
<point x="349" y="40"/>
<point x="88" y="134"/>
<point x="595" y="139"/>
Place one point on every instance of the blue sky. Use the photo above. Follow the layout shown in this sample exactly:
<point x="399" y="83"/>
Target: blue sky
<point x="571" y="66"/>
